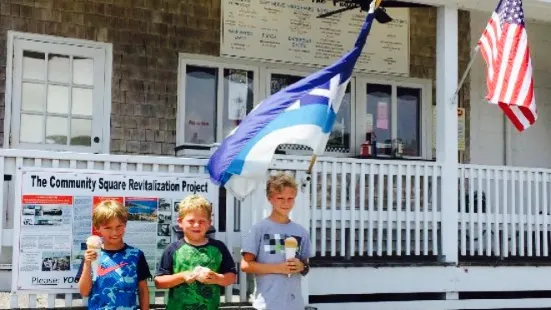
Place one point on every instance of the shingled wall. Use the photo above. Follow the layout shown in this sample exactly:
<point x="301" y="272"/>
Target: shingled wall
<point x="147" y="36"/>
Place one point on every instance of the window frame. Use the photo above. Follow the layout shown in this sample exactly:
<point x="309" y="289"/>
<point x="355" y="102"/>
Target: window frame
<point x="103" y="117"/>
<point x="261" y="89"/>
<point x="206" y="61"/>
<point x="425" y="121"/>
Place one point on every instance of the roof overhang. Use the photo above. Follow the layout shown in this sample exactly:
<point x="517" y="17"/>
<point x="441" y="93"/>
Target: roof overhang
<point x="533" y="9"/>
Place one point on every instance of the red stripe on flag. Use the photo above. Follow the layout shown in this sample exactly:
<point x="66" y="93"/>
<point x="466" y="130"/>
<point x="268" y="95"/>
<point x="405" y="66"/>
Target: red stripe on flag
<point x="508" y="71"/>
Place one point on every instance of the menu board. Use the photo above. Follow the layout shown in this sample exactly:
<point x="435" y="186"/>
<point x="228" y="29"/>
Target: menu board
<point x="289" y="31"/>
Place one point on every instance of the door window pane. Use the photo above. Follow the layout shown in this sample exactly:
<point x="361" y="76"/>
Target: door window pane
<point x="82" y="101"/>
<point x="32" y="128"/>
<point x="58" y="68"/>
<point x="56" y="130"/>
<point x="58" y="99"/>
<point x="238" y="99"/>
<point x="200" y="105"/>
<point x="339" y="140"/>
<point x="408" y="115"/>
<point x="33" y="65"/>
<point x="32" y="97"/>
<point x="83" y="71"/>
<point x="81" y="132"/>
<point x="379" y="116"/>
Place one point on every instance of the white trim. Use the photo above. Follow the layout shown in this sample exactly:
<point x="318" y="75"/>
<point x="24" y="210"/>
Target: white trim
<point x="263" y="71"/>
<point x="16" y="226"/>
<point x="8" y="93"/>
<point x="105" y="119"/>
<point x="107" y="99"/>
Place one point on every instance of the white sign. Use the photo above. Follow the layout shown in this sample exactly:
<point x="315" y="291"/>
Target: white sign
<point x="289" y="31"/>
<point x="54" y="218"/>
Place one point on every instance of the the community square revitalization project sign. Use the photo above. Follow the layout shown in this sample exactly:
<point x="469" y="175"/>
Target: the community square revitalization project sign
<point x="54" y="218"/>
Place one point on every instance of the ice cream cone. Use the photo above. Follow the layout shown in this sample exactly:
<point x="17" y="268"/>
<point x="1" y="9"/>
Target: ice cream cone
<point x="94" y="243"/>
<point x="291" y="247"/>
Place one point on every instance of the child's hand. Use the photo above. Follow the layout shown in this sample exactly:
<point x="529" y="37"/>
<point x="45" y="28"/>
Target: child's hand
<point x="189" y="277"/>
<point x="89" y="256"/>
<point x="209" y="277"/>
<point x="284" y="268"/>
<point x="294" y="265"/>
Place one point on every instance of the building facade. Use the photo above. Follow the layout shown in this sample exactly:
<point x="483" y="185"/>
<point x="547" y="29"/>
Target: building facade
<point x="146" y="47"/>
<point x="152" y="85"/>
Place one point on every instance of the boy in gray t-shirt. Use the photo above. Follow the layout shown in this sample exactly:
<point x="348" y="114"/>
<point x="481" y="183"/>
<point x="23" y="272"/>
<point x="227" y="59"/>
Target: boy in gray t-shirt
<point x="277" y="281"/>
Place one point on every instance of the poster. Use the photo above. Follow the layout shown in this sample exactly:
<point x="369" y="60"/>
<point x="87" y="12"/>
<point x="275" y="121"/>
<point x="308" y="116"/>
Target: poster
<point x="460" y="128"/>
<point x="55" y="218"/>
<point x="289" y="31"/>
<point x="382" y="115"/>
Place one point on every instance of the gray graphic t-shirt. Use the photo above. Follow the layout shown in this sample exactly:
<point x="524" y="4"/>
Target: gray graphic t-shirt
<point x="265" y="240"/>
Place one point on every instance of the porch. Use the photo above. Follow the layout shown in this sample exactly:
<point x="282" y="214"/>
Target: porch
<point x="370" y="217"/>
<point x="388" y="234"/>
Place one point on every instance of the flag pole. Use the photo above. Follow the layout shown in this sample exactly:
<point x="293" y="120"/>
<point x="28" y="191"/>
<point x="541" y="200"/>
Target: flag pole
<point x="311" y="166"/>
<point x="460" y="85"/>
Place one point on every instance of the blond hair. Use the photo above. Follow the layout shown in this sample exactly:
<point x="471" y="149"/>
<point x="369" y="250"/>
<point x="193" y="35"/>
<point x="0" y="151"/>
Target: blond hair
<point x="276" y="183"/>
<point x="194" y="203"/>
<point x="108" y="210"/>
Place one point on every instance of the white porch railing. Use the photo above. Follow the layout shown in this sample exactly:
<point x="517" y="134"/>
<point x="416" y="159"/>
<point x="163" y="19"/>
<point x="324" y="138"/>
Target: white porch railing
<point x="504" y="211"/>
<point x="353" y="207"/>
<point x="381" y="208"/>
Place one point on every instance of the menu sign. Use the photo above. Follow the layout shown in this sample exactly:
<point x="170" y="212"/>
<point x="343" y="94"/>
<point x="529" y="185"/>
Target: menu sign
<point x="289" y="31"/>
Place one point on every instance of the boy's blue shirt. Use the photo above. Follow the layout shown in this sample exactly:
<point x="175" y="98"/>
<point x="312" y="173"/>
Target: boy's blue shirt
<point x="118" y="275"/>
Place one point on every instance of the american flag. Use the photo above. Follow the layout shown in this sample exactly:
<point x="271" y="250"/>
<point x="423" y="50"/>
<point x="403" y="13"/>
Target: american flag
<point x="504" y="46"/>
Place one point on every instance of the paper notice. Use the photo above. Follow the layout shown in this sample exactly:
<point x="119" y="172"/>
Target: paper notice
<point x="382" y="115"/>
<point x="237" y="95"/>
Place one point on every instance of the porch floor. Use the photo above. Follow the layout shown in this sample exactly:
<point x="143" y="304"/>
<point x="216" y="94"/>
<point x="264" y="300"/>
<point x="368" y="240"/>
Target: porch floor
<point x="420" y="261"/>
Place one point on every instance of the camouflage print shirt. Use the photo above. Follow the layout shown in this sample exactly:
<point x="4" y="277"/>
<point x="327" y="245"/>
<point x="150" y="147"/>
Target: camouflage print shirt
<point x="181" y="256"/>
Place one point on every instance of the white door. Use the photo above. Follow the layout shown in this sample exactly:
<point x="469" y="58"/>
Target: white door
<point x="58" y="97"/>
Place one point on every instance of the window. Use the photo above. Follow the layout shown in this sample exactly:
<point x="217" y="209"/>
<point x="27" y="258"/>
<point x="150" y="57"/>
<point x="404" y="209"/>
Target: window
<point x="60" y="96"/>
<point x="216" y="99"/>
<point x="394" y="117"/>
<point x="339" y="139"/>
<point x="216" y="93"/>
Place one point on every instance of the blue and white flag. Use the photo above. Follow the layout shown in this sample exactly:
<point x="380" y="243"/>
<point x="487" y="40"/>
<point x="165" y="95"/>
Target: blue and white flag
<point x="302" y="113"/>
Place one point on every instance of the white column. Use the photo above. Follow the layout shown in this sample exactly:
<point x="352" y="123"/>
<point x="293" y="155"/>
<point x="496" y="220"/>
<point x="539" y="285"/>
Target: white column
<point x="446" y="125"/>
<point x="301" y="215"/>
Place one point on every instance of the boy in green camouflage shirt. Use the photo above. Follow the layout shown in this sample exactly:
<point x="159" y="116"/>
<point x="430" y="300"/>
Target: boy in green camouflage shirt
<point x="195" y="267"/>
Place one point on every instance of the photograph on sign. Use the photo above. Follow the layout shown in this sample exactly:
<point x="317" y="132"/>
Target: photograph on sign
<point x="55" y="218"/>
